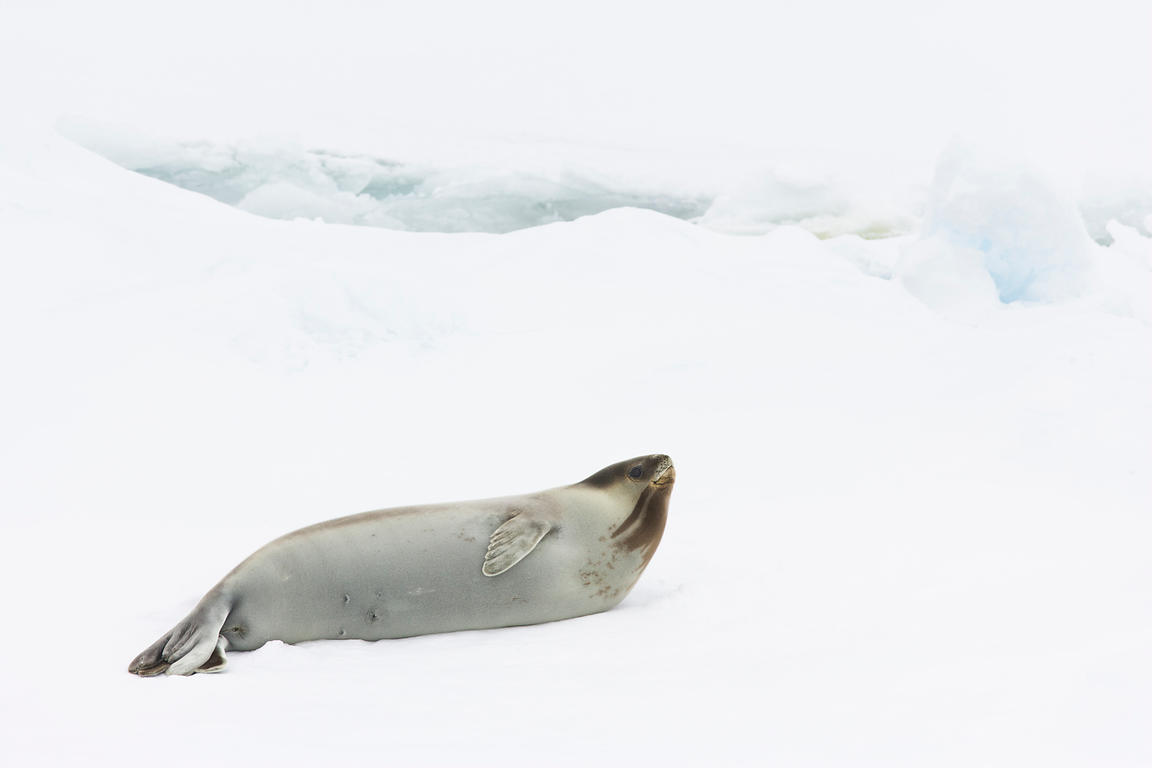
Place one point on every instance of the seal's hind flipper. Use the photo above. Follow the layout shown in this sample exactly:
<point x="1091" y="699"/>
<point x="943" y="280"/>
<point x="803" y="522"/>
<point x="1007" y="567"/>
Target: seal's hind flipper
<point x="192" y="645"/>
<point x="150" y="662"/>
<point x="511" y="543"/>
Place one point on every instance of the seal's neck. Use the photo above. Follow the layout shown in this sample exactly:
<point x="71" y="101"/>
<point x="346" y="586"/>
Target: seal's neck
<point x="642" y="530"/>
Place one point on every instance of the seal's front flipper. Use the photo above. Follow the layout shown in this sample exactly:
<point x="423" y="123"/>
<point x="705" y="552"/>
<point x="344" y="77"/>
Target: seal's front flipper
<point x="191" y="645"/>
<point x="511" y="543"/>
<point x="217" y="661"/>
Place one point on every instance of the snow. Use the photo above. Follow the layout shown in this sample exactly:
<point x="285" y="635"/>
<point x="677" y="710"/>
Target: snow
<point x="911" y="517"/>
<point x="999" y="231"/>
<point x="1032" y="243"/>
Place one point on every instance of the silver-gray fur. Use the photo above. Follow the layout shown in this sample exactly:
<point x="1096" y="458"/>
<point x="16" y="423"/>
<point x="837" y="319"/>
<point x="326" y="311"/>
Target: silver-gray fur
<point x="557" y="554"/>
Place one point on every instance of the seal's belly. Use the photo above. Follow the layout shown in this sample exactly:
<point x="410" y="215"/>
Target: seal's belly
<point x="403" y="575"/>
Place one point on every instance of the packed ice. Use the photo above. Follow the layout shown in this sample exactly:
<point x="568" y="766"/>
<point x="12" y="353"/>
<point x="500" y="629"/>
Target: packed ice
<point x="289" y="182"/>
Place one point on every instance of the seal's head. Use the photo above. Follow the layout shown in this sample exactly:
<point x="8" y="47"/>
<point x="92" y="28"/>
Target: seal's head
<point x="635" y="474"/>
<point x="643" y="485"/>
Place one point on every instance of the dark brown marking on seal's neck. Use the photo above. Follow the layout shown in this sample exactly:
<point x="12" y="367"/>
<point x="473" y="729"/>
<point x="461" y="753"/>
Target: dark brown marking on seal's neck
<point x="644" y="527"/>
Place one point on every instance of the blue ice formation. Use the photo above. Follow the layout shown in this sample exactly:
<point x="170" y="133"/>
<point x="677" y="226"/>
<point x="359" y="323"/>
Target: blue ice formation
<point x="1031" y="239"/>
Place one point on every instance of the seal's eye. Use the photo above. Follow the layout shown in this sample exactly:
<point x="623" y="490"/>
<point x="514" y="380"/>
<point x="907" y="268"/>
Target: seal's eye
<point x="635" y="472"/>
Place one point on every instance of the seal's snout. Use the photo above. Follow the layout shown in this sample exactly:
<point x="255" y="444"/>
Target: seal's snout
<point x="665" y="473"/>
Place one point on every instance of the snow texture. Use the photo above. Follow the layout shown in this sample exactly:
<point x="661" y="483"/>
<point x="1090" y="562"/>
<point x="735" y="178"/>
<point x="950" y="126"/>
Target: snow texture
<point x="911" y="519"/>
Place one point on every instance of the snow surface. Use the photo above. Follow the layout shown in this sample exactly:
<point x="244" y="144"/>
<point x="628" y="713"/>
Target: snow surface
<point x="911" y="520"/>
<point x="896" y="537"/>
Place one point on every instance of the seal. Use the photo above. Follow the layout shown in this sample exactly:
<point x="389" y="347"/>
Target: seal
<point x="557" y="554"/>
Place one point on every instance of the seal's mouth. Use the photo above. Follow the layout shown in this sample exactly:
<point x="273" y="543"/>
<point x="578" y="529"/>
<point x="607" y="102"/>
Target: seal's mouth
<point x="666" y="477"/>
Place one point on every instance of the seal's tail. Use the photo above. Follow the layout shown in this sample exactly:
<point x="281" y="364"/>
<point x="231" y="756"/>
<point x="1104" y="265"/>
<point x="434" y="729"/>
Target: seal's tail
<point x="193" y="645"/>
